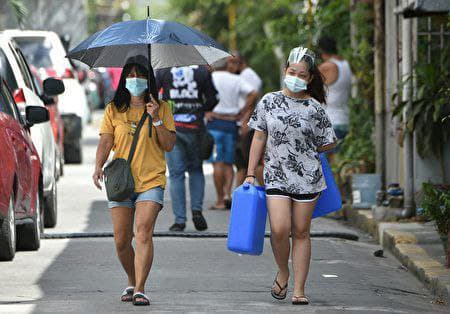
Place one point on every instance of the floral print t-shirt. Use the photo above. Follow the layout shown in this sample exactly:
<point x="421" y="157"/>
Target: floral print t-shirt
<point x="295" y="129"/>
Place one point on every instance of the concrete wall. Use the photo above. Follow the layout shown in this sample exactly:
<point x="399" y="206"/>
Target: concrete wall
<point x="429" y="169"/>
<point x="60" y="16"/>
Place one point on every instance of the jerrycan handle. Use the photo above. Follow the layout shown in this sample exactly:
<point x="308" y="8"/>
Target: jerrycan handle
<point x="246" y="186"/>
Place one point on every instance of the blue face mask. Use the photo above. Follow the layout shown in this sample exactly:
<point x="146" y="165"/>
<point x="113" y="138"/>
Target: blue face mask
<point x="136" y="86"/>
<point x="295" y="84"/>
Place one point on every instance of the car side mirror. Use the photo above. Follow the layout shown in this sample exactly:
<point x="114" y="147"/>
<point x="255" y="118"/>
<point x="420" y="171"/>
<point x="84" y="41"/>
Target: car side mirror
<point x="53" y="87"/>
<point x="36" y="114"/>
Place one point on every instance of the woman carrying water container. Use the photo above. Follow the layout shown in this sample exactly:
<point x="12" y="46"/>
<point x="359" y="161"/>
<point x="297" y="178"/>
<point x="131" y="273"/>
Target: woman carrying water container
<point x="292" y="128"/>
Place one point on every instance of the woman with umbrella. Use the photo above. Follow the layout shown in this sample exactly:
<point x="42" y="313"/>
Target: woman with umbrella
<point x="148" y="168"/>
<point x="140" y="47"/>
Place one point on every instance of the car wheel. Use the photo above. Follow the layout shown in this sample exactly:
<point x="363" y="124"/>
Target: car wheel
<point x="51" y="207"/>
<point x="73" y="152"/>
<point x="29" y="235"/>
<point x="8" y="234"/>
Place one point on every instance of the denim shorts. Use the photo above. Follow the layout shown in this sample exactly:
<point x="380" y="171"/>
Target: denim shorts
<point x="224" y="146"/>
<point x="154" y="194"/>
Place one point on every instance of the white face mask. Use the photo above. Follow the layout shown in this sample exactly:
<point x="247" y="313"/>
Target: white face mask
<point x="295" y="84"/>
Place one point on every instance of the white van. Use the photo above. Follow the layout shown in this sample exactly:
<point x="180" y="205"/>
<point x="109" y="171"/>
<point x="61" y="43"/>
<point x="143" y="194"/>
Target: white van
<point x="14" y="69"/>
<point x="45" y="51"/>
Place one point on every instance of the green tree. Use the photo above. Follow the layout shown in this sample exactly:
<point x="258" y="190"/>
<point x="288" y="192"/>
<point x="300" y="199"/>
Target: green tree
<point x="19" y="10"/>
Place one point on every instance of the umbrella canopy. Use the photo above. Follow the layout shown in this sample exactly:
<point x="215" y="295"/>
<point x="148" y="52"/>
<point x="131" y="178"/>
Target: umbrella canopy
<point x="165" y="43"/>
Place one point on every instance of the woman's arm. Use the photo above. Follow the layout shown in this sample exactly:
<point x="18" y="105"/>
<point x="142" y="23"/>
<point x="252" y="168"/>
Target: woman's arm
<point x="103" y="149"/>
<point x="256" y="150"/>
<point x="166" y="138"/>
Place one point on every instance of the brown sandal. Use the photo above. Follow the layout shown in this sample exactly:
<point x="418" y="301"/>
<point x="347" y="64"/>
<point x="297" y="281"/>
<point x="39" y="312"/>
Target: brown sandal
<point x="300" y="300"/>
<point x="279" y="295"/>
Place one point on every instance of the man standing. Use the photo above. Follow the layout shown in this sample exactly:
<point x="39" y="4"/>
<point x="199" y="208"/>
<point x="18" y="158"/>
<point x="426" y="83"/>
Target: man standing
<point x="337" y="74"/>
<point x="191" y="92"/>
<point x="238" y="65"/>
<point x="222" y="126"/>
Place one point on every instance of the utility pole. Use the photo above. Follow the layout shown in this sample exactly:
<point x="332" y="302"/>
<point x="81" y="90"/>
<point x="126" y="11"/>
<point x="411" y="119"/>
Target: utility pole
<point x="407" y="97"/>
<point x="378" y="6"/>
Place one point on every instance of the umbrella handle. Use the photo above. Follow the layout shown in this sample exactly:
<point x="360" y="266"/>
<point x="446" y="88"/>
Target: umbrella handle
<point x="151" y="85"/>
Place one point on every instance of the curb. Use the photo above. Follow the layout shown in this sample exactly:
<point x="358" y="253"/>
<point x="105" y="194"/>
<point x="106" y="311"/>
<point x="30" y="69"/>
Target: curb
<point x="81" y="235"/>
<point x="405" y="247"/>
<point x="432" y="273"/>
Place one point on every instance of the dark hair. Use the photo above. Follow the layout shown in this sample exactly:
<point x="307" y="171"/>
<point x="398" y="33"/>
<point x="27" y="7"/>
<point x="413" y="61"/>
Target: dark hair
<point x="316" y="88"/>
<point x="327" y="45"/>
<point x="122" y="96"/>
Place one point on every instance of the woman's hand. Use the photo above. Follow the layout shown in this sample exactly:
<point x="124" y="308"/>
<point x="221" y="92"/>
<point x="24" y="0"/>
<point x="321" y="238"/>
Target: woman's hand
<point x="250" y="180"/>
<point x="153" y="109"/>
<point x="98" y="177"/>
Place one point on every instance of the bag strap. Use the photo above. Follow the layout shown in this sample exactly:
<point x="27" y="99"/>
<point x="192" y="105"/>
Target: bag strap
<point x="136" y="137"/>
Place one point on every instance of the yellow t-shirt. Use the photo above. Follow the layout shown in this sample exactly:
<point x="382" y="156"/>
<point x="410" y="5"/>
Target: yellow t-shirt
<point x="149" y="164"/>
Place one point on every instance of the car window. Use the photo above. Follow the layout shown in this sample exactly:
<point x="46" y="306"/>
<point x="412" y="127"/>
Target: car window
<point x="37" y="84"/>
<point x="6" y="72"/>
<point x="29" y="74"/>
<point x="36" y="51"/>
<point x="23" y="68"/>
<point x="7" y="103"/>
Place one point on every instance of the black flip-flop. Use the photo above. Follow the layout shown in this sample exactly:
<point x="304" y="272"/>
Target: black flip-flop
<point x="127" y="294"/>
<point x="300" y="300"/>
<point x="279" y="295"/>
<point x="140" y="295"/>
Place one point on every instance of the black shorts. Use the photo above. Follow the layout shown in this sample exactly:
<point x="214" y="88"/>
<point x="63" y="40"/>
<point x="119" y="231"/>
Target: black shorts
<point x="242" y="152"/>
<point x="301" y="198"/>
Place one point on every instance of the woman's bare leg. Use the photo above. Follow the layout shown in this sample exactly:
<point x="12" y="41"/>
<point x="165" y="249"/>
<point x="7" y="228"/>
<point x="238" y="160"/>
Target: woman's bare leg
<point x="280" y="226"/>
<point x="146" y="214"/>
<point x="122" y="218"/>
<point x="301" y="244"/>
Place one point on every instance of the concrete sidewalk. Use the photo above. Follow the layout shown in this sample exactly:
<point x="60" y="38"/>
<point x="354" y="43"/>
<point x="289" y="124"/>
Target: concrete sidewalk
<point x="416" y="245"/>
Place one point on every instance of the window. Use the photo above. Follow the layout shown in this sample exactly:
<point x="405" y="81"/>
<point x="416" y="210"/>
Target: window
<point x="6" y="72"/>
<point x="23" y="68"/>
<point x="7" y="104"/>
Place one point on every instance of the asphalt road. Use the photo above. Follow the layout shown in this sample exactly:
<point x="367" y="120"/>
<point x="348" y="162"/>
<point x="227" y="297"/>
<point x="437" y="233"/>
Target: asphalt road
<point x="195" y="275"/>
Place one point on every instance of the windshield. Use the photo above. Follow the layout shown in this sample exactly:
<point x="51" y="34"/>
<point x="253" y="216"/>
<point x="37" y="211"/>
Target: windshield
<point x="36" y="50"/>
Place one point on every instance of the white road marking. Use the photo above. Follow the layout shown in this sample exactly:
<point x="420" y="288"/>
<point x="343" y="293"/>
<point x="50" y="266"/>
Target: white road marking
<point x="329" y="276"/>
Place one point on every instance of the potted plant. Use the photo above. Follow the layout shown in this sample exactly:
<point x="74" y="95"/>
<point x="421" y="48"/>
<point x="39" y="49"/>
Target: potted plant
<point x="436" y="206"/>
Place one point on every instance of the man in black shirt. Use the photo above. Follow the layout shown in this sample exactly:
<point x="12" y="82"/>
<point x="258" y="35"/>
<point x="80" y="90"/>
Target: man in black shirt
<point x="191" y="92"/>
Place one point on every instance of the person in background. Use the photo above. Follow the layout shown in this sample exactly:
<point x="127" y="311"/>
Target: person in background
<point x="191" y="92"/>
<point x="238" y="65"/>
<point x="222" y="126"/>
<point x="337" y="76"/>
<point x="291" y="129"/>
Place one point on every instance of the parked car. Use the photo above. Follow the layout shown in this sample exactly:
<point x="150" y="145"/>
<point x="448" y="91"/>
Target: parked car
<point x="21" y="188"/>
<point x="45" y="51"/>
<point x="16" y="72"/>
<point x="51" y="102"/>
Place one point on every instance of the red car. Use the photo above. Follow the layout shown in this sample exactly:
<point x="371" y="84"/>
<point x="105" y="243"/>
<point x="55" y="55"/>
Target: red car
<point x="21" y="214"/>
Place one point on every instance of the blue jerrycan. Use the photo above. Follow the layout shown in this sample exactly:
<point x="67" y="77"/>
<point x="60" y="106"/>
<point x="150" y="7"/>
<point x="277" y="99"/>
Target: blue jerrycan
<point x="330" y="199"/>
<point x="247" y="220"/>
